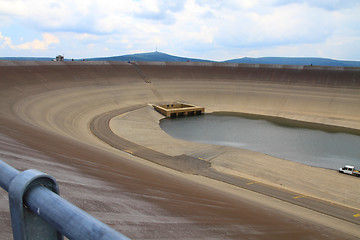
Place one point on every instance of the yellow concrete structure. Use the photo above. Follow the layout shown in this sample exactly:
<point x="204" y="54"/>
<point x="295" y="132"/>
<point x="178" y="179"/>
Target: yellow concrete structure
<point x="179" y="110"/>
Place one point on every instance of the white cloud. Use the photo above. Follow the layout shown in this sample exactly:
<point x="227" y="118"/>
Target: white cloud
<point x="329" y="5"/>
<point x="283" y="25"/>
<point x="36" y="44"/>
<point x="199" y="27"/>
<point x="4" y="41"/>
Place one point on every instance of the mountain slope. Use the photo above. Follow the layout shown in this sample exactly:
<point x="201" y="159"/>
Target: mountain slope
<point x="163" y="57"/>
<point x="297" y="61"/>
<point x="151" y="56"/>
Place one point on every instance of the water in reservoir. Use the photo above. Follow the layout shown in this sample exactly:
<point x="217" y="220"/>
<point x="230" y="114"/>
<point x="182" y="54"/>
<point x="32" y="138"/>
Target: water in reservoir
<point x="312" y="147"/>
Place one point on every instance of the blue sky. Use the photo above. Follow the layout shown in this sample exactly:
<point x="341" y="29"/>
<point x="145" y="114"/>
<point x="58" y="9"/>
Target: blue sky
<point x="209" y="29"/>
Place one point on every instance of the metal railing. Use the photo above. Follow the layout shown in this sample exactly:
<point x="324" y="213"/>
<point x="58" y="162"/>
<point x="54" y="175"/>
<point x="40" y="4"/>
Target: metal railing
<point x="38" y="212"/>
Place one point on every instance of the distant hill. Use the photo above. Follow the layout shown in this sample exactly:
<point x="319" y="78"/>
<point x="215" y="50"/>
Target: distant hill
<point x="163" y="57"/>
<point x="297" y="61"/>
<point x="151" y="56"/>
<point x="27" y="58"/>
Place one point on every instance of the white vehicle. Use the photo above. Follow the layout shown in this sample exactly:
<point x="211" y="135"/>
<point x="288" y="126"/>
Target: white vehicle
<point x="349" y="170"/>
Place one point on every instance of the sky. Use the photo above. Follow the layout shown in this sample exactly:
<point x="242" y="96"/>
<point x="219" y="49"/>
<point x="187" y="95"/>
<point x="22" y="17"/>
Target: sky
<point x="209" y="29"/>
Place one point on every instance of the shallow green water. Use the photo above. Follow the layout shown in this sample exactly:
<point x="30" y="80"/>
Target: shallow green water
<point x="308" y="146"/>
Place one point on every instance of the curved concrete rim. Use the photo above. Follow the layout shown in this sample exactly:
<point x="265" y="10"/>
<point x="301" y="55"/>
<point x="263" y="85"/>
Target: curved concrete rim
<point x="50" y="109"/>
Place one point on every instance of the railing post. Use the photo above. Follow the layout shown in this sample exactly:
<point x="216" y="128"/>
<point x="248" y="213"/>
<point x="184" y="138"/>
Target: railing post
<point x="25" y="223"/>
<point x="38" y="212"/>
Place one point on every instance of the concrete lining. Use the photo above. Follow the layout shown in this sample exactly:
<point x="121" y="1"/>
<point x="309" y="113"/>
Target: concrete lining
<point x="46" y="111"/>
